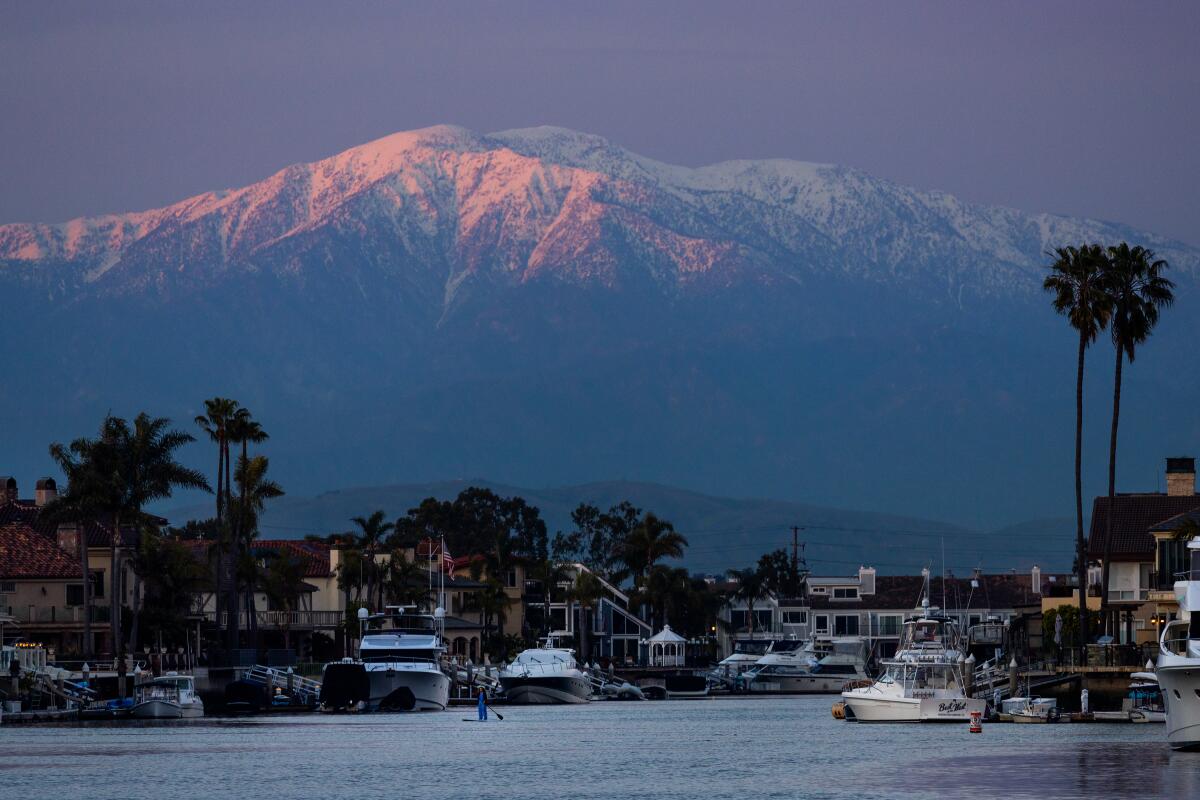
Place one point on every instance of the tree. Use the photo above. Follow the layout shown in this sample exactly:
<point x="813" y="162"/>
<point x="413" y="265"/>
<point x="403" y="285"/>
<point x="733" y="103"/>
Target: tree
<point x="1076" y="281"/>
<point x="283" y="583"/>
<point x="372" y="531"/>
<point x="1137" y="291"/>
<point x="549" y="573"/>
<point x="598" y="541"/>
<point x="403" y="582"/>
<point x="780" y="573"/>
<point x="651" y="540"/>
<point x="751" y="587"/>
<point x="587" y="592"/>
<point x="125" y="469"/>
<point x="219" y="413"/>
<point x="171" y="577"/>
<point x="254" y="490"/>
<point x="216" y="420"/>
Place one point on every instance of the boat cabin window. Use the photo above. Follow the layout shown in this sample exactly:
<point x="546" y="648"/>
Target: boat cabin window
<point x="834" y="669"/>
<point x="380" y="654"/>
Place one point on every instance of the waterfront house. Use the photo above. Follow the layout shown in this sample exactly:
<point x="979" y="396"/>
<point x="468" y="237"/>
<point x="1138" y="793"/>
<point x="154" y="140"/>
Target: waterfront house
<point x="1145" y="554"/>
<point x="875" y="606"/>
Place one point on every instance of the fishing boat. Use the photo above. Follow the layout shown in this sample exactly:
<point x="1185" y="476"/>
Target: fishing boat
<point x="1038" y="710"/>
<point x="171" y="696"/>
<point x="923" y="682"/>
<point x="1178" y="668"/>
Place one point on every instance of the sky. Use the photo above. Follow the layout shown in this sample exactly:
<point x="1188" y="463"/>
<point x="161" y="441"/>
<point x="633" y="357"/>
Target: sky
<point x="1078" y="108"/>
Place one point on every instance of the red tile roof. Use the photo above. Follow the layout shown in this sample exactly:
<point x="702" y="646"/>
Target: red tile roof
<point x="315" y="555"/>
<point x="26" y="553"/>
<point x="1133" y="517"/>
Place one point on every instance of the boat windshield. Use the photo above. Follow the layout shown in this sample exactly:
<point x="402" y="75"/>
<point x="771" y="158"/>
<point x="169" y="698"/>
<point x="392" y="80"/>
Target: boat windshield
<point x="387" y="654"/>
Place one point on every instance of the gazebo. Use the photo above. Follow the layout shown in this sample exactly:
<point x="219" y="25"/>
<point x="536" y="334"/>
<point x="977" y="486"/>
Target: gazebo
<point x="667" y="648"/>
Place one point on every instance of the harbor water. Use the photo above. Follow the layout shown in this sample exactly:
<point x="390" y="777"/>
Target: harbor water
<point x="713" y="749"/>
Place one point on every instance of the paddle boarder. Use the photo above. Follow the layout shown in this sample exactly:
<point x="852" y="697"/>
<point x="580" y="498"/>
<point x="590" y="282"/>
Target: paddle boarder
<point x="483" y="705"/>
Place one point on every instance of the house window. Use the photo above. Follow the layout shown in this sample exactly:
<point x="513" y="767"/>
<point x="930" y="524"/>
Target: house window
<point x="98" y="584"/>
<point x="819" y="590"/>
<point x="845" y="593"/>
<point x="795" y="617"/>
<point x="822" y="623"/>
<point x="8" y="587"/>
<point x="889" y="624"/>
<point x="845" y="625"/>
<point x="511" y="579"/>
<point x="74" y="594"/>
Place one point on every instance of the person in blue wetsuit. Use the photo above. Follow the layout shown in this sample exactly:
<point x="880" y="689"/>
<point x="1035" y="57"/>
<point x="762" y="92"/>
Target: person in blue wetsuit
<point x="483" y="705"/>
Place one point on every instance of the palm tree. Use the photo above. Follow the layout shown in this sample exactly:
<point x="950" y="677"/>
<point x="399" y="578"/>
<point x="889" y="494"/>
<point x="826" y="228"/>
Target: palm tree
<point x="218" y="416"/>
<point x="255" y="489"/>
<point x="79" y="505"/>
<point x="586" y="591"/>
<point x="1137" y="291"/>
<point x="751" y="588"/>
<point x="1076" y="280"/>
<point x="372" y="531"/>
<point x="402" y="581"/>
<point x="651" y="541"/>
<point x="283" y="582"/>
<point x="125" y="469"/>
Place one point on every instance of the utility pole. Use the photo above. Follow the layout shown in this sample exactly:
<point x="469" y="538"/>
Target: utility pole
<point x="796" y="548"/>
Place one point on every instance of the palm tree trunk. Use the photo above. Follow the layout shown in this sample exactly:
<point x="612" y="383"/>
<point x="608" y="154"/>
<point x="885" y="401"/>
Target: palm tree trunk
<point x="114" y="583"/>
<point x="1080" y="549"/>
<point x="81" y="544"/>
<point x="137" y="609"/>
<point x="1112" y="481"/>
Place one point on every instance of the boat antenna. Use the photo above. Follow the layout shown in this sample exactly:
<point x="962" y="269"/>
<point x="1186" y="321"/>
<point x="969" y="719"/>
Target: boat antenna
<point x="944" y="574"/>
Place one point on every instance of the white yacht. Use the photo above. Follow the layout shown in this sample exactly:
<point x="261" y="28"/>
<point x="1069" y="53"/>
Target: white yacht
<point x="814" y="668"/>
<point x="1178" y="668"/>
<point x="747" y="652"/>
<point x="171" y="696"/>
<point x="398" y="666"/>
<point x="546" y="674"/>
<point x="922" y="682"/>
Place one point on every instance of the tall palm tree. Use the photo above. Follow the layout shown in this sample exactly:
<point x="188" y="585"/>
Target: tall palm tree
<point x="254" y="490"/>
<point x="1076" y="281"/>
<point x="1138" y="291"/>
<point x="372" y="531"/>
<point x="218" y="416"/>
<point x="283" y="582"/>
<point x="245" y="430"/>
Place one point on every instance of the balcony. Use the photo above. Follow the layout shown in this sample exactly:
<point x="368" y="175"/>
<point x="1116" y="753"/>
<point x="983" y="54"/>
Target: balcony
<point x="279" y="620"/>
<point x="56" y="615"/>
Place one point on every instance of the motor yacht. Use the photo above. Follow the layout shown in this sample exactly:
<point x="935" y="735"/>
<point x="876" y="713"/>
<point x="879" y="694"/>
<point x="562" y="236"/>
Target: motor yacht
<point x="923" y="682"/>
<point x="171" y="696"/>
<point x="546" y="674"/>
<point x="398" y="666"/>
<point x="815" y="668"/>
<point x="748" y="652"/>
<point x="1178" y="668"/>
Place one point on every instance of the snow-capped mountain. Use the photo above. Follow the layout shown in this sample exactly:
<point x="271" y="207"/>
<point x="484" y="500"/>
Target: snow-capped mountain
<point x="542" y="307"/>
<point x="436" y="207"/>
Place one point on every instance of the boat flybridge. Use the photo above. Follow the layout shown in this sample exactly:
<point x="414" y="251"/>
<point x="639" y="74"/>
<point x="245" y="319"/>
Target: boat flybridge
<point x="748" y="652"/>
<point x="1178" y="668"/>
<point x="817" y="667"/>
<point x="170" y="696"/>
<point x="398" y="666"/>
<point x="546" y="674"/>
<point x="923" y="681"/>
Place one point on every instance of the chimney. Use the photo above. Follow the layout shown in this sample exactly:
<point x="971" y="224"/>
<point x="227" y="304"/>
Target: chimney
<point x="866" y="580"/>
<point x="46" y="491"/>
<point x="8" y="489"/>
<point x="1036" y="579"/>
<point x="1181" y="477"/>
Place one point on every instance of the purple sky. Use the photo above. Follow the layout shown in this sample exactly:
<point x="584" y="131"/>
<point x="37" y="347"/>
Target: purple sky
<point x="1080" y="108"/>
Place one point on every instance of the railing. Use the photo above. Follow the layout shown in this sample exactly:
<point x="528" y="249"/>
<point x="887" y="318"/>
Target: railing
<point x="280" y="620"/>
<point x="1174" y="639"/>
<point x="64" y="615"/>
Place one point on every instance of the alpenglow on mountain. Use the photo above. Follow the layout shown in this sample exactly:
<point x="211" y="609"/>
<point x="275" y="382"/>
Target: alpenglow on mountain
<point x="541" y="306"/>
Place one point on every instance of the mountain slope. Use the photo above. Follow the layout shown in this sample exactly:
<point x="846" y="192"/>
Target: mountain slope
<point x="547" y="308"/>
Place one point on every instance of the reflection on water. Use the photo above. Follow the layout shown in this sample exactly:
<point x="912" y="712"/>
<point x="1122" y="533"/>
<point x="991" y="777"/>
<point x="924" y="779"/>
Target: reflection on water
<point x="751" y="748"/>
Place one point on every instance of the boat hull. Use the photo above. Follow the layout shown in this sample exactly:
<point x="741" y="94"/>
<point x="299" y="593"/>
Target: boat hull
<point x="1181" y="694"/>
<point x="408" y="690"/>
<point x="804" y="684"/>
<point x="156" y="709"/>
<point x="546" y="690"/>
<point x="865" y="708"/>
